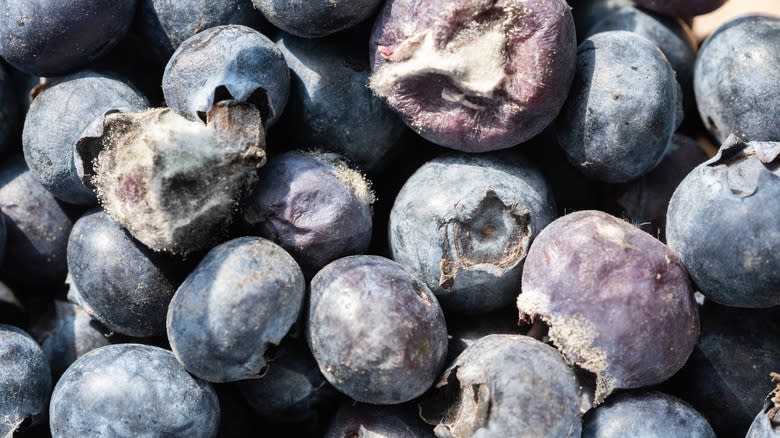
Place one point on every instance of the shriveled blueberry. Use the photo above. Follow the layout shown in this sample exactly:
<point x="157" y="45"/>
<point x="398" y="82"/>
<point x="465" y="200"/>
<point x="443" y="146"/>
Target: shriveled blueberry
<point x="723" y="221"/>
<point x="767" y="422"/>
<point x="62" y="116"/>
<point x="622" y="110"/>
<point x="737" y="79"/>
<point x="331" y="106"/>
<point x="52" y="37"/>
<point x="505" y="385"/>
<point x="617" y="301"/>
<point x="37" y="226"/>
<point x="316" y="18"/>
<point x="647" y="415"/>
<point x="463" y="225"/>
<point x="587" y="13"/>
<point x="25" y="380"/>
<point x="12" y="311"/>
<point x="366" y="421"/>
<point x="377" y="333"/>
<point x="681" y="8"/>
<point x="132" y="390"/>
<point x="165" y="24"/>
<point x="473" y="75"/>
<point x="120" y="282"/>
<point x="313" y="205"/>
<point x="227" y="63"/>
<point x="241" y="299"/>
<point x="9" y="112"/>
<point x="173" y="183"/>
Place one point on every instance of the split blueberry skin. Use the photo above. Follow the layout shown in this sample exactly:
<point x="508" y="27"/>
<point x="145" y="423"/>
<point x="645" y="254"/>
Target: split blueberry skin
<point x="361" y="420"/>
<point x="227" y="63"/>
<point x="316" y="18"/>
<point x="737" y="79"/>
<point x="25" y="380"/>
<point x="52" y="37"/>
<point x="132" y="390"/>
<point x="60" y="117"/>
<point x="243" y="297"/>
<point x="731" y="256"/>
<point x="377" y="333"/>
<point x="619" y="117"/>
<point x="765" y="423"/>
<point x="647" y="415"/>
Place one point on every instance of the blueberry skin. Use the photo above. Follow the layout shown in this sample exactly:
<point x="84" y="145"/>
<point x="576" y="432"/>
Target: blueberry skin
<point x="765" y="423"/>
<point x="165" y="24"/>
<point x="506" y="385"/>
<point x="331" y="106"/>
<point x="677" y="8"/>
<point x="316" y="18"/>
<point x="622" y="110"/>
<point x="132" y="390"/>
<point x="51" y="37"/>
<point x="723" y="221"/>
<point x="25" y="380"/>
<point x="60" y="117"/>
<point x="377" y="333"/>
<point x="314" y="206"/>
<point x="120" y="282"/>
<point x="645" y="415"/>
<point x="463" y="225"/>
<point x="364" y="421"/>
<point x="227" y="62"/>
<point x="9" y="112"/>
<point x="243" y="297"/>
<point x="737" y="79"/>
<point x="37" y="227"/>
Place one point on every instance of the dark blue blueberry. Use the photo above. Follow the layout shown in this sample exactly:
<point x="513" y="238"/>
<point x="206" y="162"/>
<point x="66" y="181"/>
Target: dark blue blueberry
<point x="463" y="225"/>
<point x="9" y="112"/>
<point x="331" y="106"/>
<point x="316" y="18"/>
<point x="63" y="115"/>
<point x="360" y="420"/>
<point x="227" y="63"/>
<point x="132" y="390"/>
<point x="37" y="226"/>
<point x="117" y="280"/>
<point x="313" y="205"/>
<point x="622" y="110"/>
<point x="737" y="79"/>
<point x="53" y="37"/>
<point x="243" y="297"/>
<point x="680" y="8"/>
<point x="502" y="386"/>
<point x="25" y="381"/>
<point x="723" y="221"/>
<point x="646" y="415"/>
<point x="377" y="333"/>
<point x="767" y="422"/>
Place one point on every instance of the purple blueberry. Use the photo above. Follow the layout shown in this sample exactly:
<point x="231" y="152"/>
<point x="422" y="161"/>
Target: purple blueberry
<point x="473" y="75"/>
<point x="618" y="303"/>
<point x="681" y="8"/>
<point x="316" y="18"/>
<point x="366" y="421"/>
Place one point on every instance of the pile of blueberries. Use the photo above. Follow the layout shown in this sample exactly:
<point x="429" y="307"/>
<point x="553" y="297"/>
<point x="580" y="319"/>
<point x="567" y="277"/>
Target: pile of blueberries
<point x="399" y="218"/>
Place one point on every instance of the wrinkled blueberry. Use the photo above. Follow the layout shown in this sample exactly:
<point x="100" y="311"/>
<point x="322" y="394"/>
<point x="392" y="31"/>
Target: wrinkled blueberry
<point x="767" y="422"/>
<point x="377" y="333"/>
<point x="368" y="421"/>
<point x="681" y="8"/>
<point x="617" y="301"/>
<point x="723" y="221"/>
<point x="473" y="75"/>
<point x="132" y="390"/>
<point x="316" y="18"/>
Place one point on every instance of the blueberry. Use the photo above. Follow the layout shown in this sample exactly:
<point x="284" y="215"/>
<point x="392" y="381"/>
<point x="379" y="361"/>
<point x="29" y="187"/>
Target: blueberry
<point x="313" y="205"/>
<point x="587" y="13"/>
<point x="618" y="302"/>
<point x="737" y="79"/>
<point x="766" y="422"/>
<point x="622" y="110"/>
<point x="25" y="380"/>
<point x="118" y="281"/>
<point x="377" y="333"/>
<point x="505" y="385"/>
<point x="647" y="415"/>
<point x="61" y="117"/>
<point x="723" y="221"/>
<point x="463" y="224"/>
<point x="359" y="420"/>
<point x="51" y="37"/>
<point x="241" y="299"/>
<point x="472" y="75"/>
<point x="331" y="106"/>
<point x="677" y="8"/>
<point x="37" y="227"/>
<point x="9" y="112"/>
<point x="132" y="390"/>
<point x="225" y="63"/>
<point x="316" y="18"/>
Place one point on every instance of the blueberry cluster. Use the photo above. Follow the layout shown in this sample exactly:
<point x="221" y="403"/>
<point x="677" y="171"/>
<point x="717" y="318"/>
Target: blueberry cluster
<point x="398" y="218"/>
